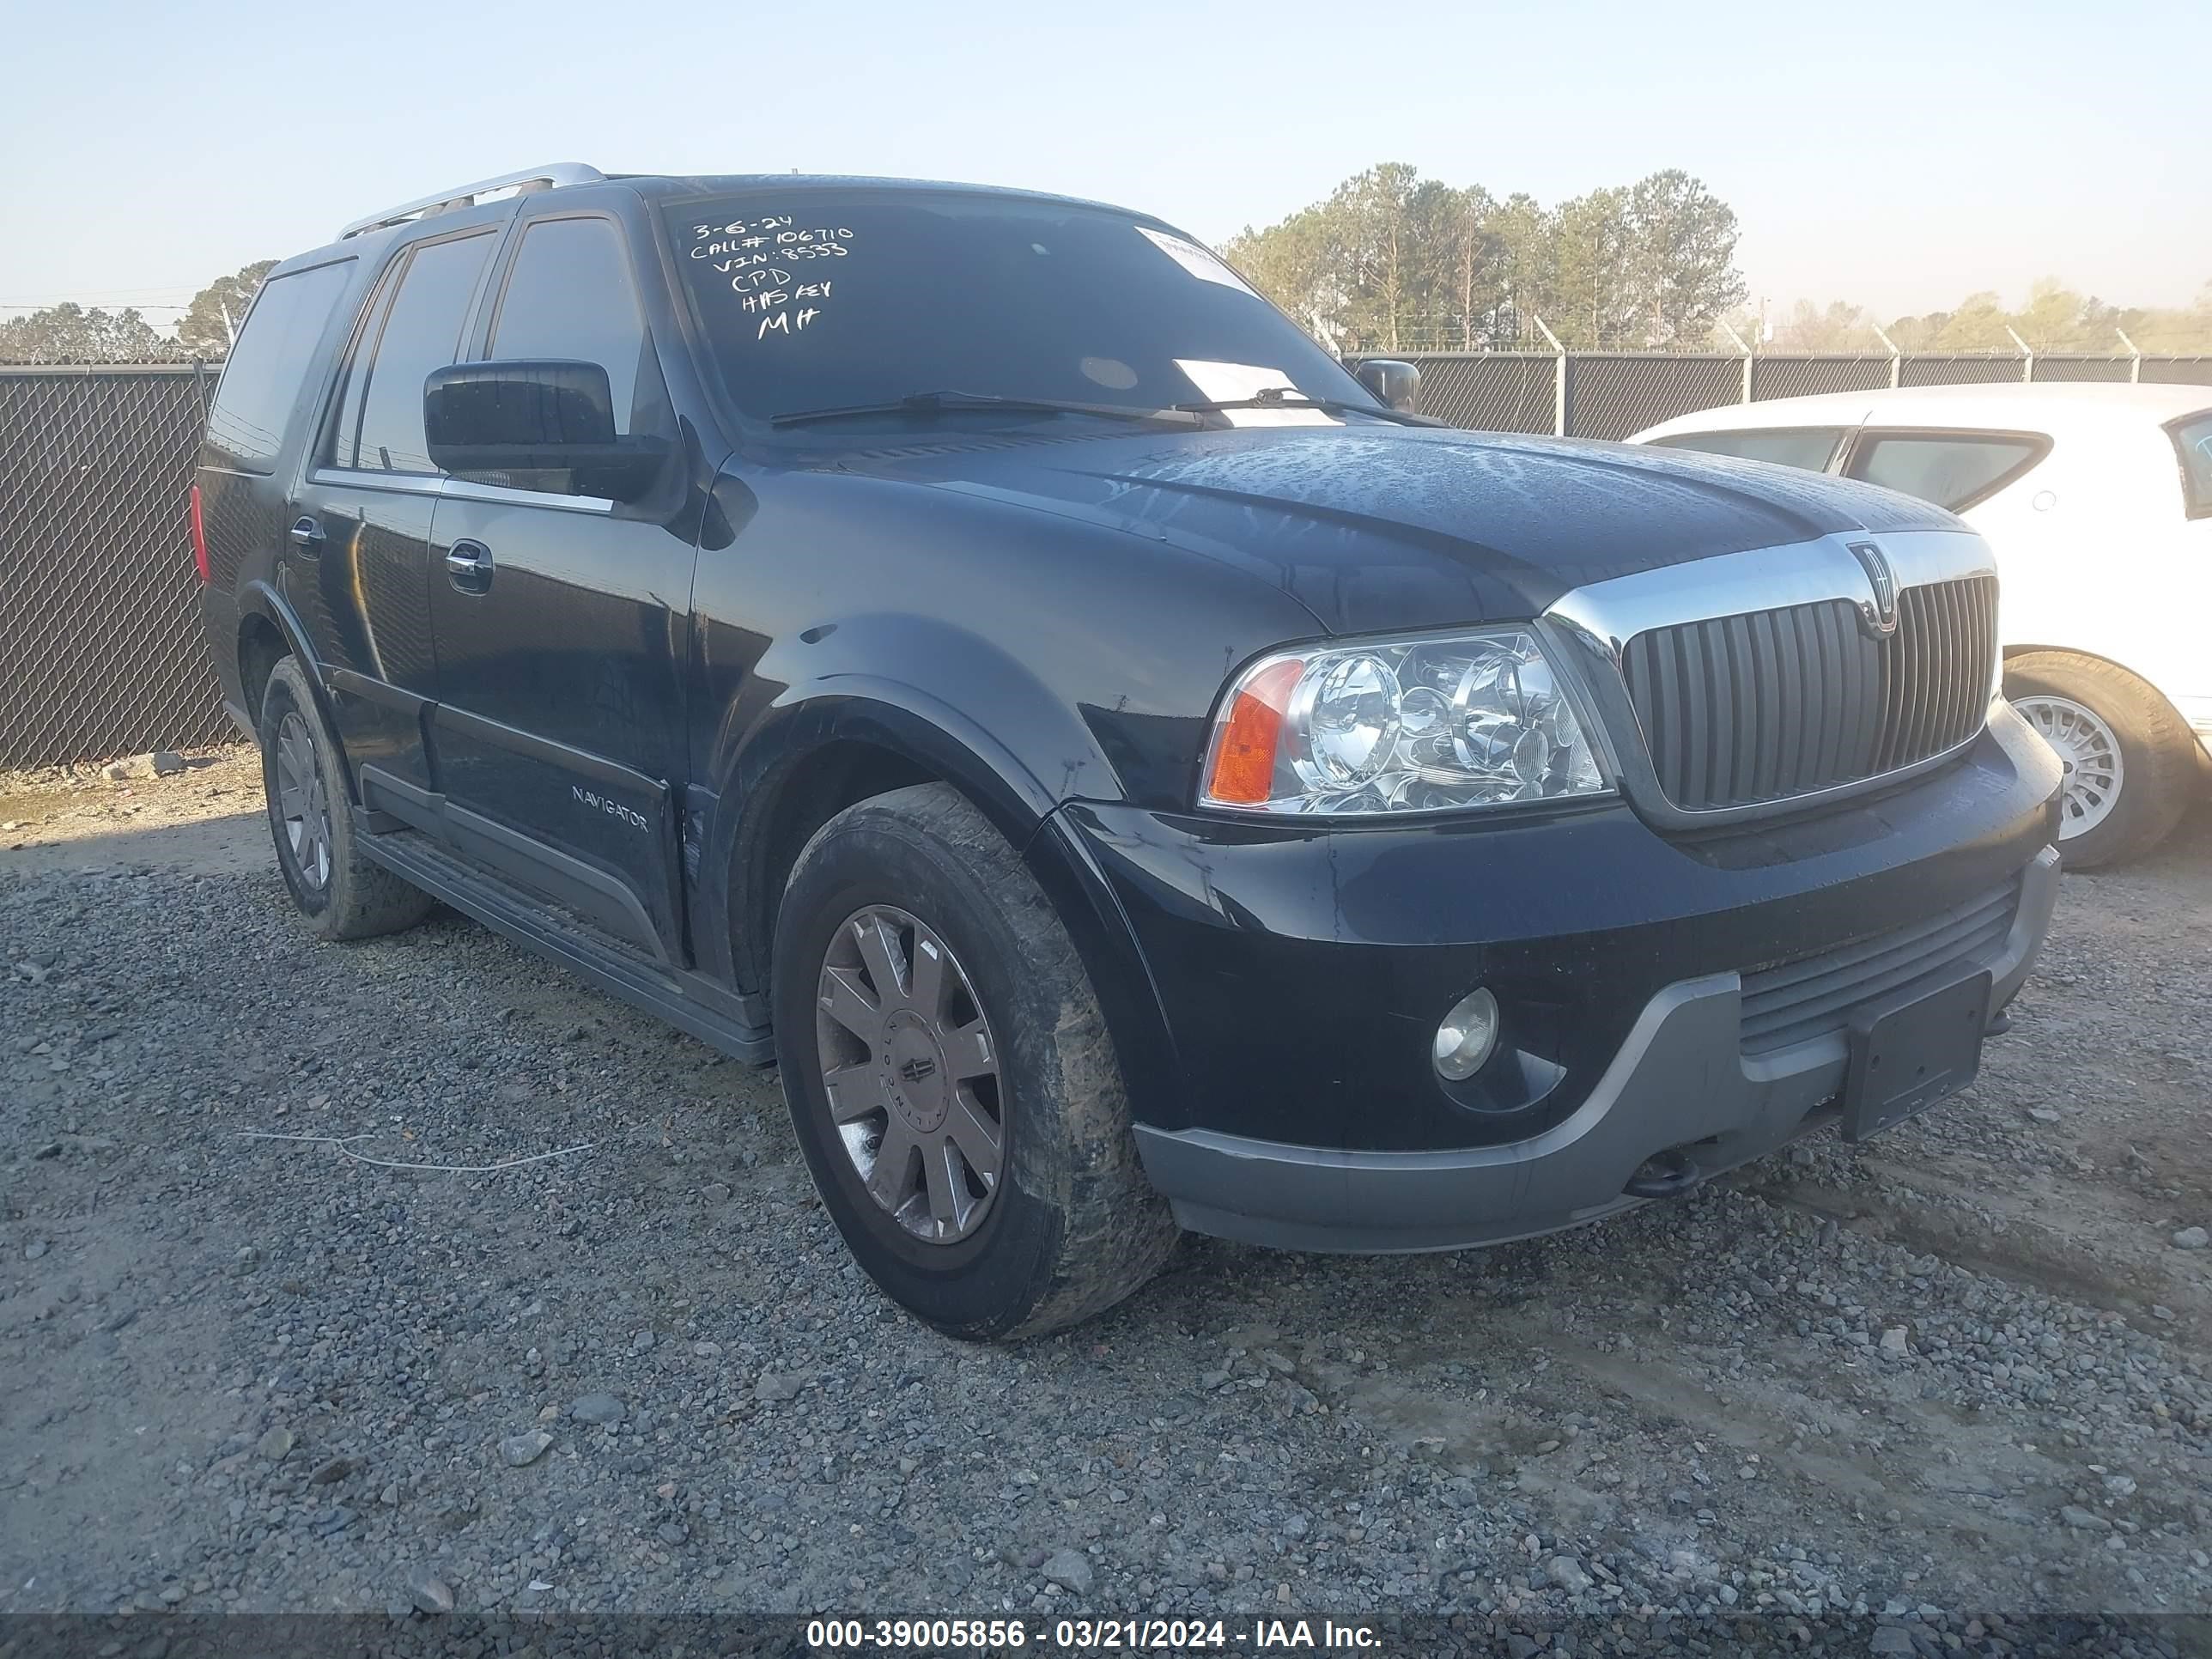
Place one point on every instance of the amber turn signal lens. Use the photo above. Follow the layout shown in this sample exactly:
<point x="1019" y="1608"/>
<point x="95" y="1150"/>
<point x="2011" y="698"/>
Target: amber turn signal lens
<point x="1244" y="759"/>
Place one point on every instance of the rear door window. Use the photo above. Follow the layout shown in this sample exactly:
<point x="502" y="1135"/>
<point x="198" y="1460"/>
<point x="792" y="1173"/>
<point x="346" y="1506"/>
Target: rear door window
<point x="416" y="330"/>
<point x="261" y="381"/>
<point x="1811" y="447"/>
<point x="2192" y="436"/>
<point x="1953" y="470"/>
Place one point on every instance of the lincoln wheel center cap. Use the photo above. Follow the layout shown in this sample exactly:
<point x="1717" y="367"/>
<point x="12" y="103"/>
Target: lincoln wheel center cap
<point x="913" y="1070"/>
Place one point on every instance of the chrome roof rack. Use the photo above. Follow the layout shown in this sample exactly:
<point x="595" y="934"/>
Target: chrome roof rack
<point x="550" y="177"/>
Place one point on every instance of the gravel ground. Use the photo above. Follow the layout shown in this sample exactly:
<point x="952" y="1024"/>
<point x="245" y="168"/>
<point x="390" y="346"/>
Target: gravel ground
<point x="1964" y="1370"/>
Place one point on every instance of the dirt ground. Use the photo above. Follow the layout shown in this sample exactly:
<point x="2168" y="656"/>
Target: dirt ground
<point x="1965" y="1368"/>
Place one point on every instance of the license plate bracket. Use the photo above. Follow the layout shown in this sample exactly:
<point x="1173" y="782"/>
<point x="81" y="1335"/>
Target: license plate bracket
<point x="1911" y="1050"/>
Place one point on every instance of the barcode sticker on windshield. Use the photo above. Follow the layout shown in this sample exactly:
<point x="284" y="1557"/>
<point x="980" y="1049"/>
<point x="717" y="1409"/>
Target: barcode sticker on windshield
<point x="1194" y="258"/>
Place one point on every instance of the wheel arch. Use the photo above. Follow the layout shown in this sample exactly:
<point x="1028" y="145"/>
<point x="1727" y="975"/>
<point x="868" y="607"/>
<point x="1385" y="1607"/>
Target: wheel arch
<point x="269" y="628"/>
<point x="811" y="759"/>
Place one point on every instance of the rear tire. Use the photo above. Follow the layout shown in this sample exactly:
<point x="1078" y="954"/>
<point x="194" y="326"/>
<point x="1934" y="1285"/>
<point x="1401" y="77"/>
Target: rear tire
<point x="2130" y="764"/>
<point x="338" y="893"/>
<point x="988" y="1021"/>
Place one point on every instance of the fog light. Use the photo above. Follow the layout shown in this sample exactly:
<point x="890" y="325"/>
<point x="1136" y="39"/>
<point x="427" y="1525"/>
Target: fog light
<point x="1467" y="1035"/>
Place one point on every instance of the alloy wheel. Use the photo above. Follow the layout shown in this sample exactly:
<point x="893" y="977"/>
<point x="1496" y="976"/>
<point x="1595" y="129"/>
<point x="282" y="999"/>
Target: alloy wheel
<point x="911" y="1073"/>
<point x="2089" y="753"/>
<point x="303" y="807"/>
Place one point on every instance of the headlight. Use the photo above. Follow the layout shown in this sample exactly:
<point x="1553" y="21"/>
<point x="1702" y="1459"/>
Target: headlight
<point x="1411" y="725"/>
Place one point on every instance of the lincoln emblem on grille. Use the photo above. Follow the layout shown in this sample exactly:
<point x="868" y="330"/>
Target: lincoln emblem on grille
<point x="1878" y="617"/>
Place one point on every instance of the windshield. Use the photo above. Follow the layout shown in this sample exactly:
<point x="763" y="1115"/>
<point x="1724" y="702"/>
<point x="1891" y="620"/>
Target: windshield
<point x="837" y="299"/>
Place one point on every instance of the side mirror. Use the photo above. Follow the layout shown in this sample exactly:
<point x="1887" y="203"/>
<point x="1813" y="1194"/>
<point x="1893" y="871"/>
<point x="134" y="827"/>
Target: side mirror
<point x="1393" y="383"/>
<point x="536" y="416"/>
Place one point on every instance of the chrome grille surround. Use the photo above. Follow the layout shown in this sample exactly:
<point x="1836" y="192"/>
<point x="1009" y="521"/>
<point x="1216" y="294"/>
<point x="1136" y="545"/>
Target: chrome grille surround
<point x="1874" y="708"/>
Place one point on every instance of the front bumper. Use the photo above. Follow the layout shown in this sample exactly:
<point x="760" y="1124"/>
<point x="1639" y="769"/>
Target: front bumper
<point x="1681" y="1080"/>
<point x="1284" y="1093"/>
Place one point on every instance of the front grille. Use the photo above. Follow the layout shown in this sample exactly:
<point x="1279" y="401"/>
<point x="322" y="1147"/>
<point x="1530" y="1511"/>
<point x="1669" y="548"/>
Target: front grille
<point x="1794" y="1000"/>
<point x="1737" y="711"/>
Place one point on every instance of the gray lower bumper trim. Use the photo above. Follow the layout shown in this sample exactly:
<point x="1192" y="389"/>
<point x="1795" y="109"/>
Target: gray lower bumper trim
<point x="1681" y="1077"/>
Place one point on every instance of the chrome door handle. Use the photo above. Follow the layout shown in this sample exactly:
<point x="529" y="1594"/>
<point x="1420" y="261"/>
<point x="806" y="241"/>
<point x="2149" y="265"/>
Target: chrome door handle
<point x="469" y="566"/>
<point x="309" y="534"/>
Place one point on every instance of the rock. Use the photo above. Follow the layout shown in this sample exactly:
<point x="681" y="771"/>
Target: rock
<point x="429" y="1592"/>
<point x="1893" y="1339"/>
<point x="164" y="762"/>
<point x="2082" y="1520"/>
<point x="1891" y="1638"/>
<point x="2120" y="1485"/>
<point x="35" y="1248"/>
<point x="1518" y="1646"/>
<point x="2192" y="1238"/>
<point x="2043" y="1114"/>
<point x="1070" y="1570"/>
<point x="778" y="1385"/>
<point x="598" y="1408"/>
<point x="520" y="1450"/>
<point x="673" y="1532"/>
<point x="333" y="1471"/>
<point x="1567" y="1573"/>
<point x="123" y="770"/>
<point x="274" y="1444"/>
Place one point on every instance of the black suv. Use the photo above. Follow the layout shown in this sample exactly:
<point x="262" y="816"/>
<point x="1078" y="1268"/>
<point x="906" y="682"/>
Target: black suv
<point x="966" y="647"/>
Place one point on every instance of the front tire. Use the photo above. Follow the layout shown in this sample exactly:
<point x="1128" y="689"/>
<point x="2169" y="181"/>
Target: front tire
<point x="950" y="1075"/>
<point x="2130" y="766"/>
<point x="338" y="893"/>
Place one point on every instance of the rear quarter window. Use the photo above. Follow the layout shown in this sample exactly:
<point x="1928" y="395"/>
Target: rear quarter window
<point x="1955" y="469"/>
<point x="1810" y="448"/>
<point x="2192" y="437"/>
<point x="261" y="379"/>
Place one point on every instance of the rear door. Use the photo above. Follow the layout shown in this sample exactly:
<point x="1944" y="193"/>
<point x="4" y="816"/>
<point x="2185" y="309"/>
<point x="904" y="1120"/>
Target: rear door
<point x="359" y="535"/>
<point x="562" y="621"/>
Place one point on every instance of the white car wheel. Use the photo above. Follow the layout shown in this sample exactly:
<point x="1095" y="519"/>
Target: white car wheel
<point x="2089" y="750"/>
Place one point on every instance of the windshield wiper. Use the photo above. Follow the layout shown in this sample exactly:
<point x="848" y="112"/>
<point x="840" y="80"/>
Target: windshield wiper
<point x="931" y="402"/>
<point x="1275" y="399"/>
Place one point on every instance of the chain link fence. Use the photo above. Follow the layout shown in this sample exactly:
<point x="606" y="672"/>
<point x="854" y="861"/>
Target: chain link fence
<point x="100" y="648"/>
<point x="101" y="645"/>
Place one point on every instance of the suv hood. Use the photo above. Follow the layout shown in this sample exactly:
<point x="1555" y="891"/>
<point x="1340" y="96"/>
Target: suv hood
<point x="1376" y="527"/>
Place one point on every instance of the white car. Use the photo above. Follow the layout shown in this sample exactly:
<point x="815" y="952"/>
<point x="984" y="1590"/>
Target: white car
<point x="2098" y="503"/>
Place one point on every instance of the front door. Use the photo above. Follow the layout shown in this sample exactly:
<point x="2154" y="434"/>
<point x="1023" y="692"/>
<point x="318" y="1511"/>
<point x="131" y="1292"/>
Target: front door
<point x="563" y="623"/>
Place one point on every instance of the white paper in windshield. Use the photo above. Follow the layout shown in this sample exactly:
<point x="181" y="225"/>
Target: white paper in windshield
<point x="1232" y="382"/>
<point x="1198" y="261"/>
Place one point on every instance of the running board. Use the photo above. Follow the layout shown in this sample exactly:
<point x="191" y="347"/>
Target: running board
<point x="684" y="999"/>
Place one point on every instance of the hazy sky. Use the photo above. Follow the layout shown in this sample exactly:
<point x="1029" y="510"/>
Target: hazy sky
<point x="1898" y="156"/>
